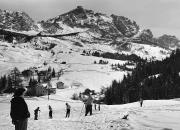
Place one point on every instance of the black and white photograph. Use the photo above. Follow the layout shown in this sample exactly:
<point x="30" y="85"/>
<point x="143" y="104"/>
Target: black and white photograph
<point x="89" y="64"/>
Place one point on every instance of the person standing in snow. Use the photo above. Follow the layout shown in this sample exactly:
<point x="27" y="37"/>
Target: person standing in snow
<point x="50" y="112"/>
<point x="36" y="113"/>
<point x="88" y="105"/>
<point x="68" y="109"/>
<point x="141" y="102"/>
<point x="19" y="110"/>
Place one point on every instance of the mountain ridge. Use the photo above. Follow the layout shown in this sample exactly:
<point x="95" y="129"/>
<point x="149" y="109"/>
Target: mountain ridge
<point x="95" y="27"/>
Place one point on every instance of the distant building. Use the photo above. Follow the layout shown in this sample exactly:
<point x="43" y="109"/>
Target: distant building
<point x="44" y="76"/>
<point x="60" y="85"/>
<point x="52" y="90"/>
<point x="41" y="90"/>
<point x="44" y="89"/>
<point x="76" y="85"/>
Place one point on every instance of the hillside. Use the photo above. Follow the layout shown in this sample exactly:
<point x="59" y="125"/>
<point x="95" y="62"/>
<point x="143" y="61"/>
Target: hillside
<point x="149" y="80"/>
<point x="92" y="32"/>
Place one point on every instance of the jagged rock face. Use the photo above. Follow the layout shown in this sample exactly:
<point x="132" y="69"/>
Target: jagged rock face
<point x="127" y="27"/>
<point x="169" y="41"/>
<point x="94" y="27"/>
<point x="18" y="21"/>
<point x="108" y="27"/>
<point x="146" y="34"/>
<point x="50" y="27"/>
<point x="165" y="41"/>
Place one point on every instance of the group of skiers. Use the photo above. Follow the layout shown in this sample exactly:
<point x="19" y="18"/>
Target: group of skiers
<point x="37" y="112"/>
<point x="19" y="110"/>
<point x="88" y="108"/>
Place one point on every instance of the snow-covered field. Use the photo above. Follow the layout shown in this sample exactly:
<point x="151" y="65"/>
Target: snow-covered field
<point x="78" y="68"/>
<point x="154" y="115"/>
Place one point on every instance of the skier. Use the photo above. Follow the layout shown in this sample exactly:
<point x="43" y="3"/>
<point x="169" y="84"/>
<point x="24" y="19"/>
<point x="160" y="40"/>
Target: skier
<point x="141" y="102"/>
<point x="88" y="105"/>
<point x="19" y="110"/>
<point x="36" y="113"/>
<point x="50" y="112"/>
<point x="68" y="109"/>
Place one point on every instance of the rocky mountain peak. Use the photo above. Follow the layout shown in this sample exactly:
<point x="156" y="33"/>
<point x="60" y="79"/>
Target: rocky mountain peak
<point x="107" y="26"/>
<point x="19" y="21"/>
<point x="169" y="41"/>
<point x="127" y="27"/>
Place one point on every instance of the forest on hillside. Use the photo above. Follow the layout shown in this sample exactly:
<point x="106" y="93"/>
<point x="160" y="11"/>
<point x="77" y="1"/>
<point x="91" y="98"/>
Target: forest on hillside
<point x="149" y="80"/>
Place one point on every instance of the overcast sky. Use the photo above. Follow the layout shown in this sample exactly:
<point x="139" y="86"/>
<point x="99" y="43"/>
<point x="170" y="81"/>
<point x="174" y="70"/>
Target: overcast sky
<point x="161" y="16"/>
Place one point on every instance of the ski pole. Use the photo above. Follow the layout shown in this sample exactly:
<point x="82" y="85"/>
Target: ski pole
<point x="39" y="114"/>
<point x="82" y="109"/>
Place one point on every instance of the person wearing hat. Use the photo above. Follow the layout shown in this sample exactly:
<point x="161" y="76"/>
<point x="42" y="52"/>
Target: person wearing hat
<point x="36" y="111"/>
<point x="19" y="110"/>
<point x="88" y="105"/>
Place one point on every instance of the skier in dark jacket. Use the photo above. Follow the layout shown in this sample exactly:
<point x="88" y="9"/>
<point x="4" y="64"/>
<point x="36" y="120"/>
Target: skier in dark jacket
<point x="19" y="110"/>
<point x="88" y="105"/>
<point x="36" y="113"/>
<point x="141" y="102"/>
<point x="50" y="112"/>
<point x="68" y="109"/>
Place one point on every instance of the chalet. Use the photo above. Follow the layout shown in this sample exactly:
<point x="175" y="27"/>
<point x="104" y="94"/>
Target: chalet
<point x="41" y="90"/>
<point x="76" y="85"/>
<point x="60" y="85"/>
<point x="44" y="76"/>
<point x="52" y="90"/>
<point x="44" y="89"/>
<point x="30" y="73"/>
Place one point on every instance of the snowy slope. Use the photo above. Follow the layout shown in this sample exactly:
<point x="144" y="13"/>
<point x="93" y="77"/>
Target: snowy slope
<point x="90" y="75"/>
<point x="21" y="57"/>
<point x="154" y="115"/>
<point x="69" y="50"/>
<point x="147" y="51"/>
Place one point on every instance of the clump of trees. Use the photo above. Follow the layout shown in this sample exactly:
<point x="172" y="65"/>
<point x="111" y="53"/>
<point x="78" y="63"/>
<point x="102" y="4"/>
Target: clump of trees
<point x="101" y="62"/>
<point x="118" y="56"/>
<point x="10" y="82"/>
<point x="122" y="67"/>
<point x="75" y="96"/>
